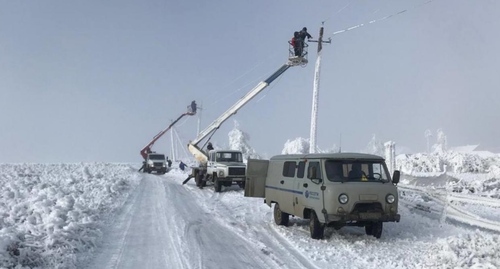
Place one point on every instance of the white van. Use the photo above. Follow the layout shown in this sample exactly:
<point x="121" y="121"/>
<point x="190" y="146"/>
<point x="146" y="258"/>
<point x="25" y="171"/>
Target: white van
<point x="334" y="190"/>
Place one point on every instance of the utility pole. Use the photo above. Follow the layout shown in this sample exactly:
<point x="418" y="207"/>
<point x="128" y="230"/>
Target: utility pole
<point x="172" y="149"/>
<point x="199" y="109"/>
<point x="314" y="112"/>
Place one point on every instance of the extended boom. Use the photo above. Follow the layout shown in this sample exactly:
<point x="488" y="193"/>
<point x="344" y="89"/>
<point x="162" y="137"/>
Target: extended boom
<point x="199" y="154"/>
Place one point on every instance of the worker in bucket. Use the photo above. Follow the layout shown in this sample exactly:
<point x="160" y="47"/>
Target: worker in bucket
<point x="302" y="35"/>
<point x="296" y="44"/>
<point x="193" y="107"/>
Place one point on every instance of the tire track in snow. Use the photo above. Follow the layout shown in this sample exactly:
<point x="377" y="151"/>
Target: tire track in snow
<point x="272" y="244"/>
<point x="140" y="236"/>
<point x="111" y="251"/>
<point x="215" y="246"/>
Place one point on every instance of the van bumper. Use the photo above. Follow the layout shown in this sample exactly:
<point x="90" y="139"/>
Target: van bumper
<point x="371" y="216"/>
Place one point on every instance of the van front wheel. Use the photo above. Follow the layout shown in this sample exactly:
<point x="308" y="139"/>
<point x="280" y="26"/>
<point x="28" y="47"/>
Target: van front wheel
<point x="316" y="228"/>
<point x="375" y="229"/>
<point x="280" y="217"/>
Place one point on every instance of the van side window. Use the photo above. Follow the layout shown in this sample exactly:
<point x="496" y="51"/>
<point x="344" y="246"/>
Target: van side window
<point x="289" y="169"/>
<point x="313" y="171"/>
<point x="301" y="169"/>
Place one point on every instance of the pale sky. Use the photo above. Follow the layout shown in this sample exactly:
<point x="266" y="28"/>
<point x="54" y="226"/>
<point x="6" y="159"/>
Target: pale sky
<point x="91" y="81"/>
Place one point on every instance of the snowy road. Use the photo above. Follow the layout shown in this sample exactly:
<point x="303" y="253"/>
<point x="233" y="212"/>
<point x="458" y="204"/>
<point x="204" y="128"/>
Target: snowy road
<point x="168" y="225"/>
<point x="163" y="226"/>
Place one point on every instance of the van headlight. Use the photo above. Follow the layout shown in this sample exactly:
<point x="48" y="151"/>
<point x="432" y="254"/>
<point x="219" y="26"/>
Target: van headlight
<point x="221" y="173"/>
<point x="390" y="198"/>
<point x="343" y="198"/>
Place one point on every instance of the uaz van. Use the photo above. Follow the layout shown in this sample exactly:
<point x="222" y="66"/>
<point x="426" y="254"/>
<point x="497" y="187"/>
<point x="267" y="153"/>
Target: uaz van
<point x="335" y="190"/>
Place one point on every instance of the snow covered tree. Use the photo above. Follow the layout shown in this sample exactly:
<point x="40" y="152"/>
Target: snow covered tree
<point x="375" y="147"/>
<point x="428" y="135"/>
<point x="441" y="143"/>
<point x="239" y="140"/>
<point x="297" y="146"/>
<point x="333" y="149"/>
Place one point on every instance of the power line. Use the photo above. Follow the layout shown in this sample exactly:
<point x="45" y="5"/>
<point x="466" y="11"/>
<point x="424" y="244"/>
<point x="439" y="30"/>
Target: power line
<point x="381" y="19"/>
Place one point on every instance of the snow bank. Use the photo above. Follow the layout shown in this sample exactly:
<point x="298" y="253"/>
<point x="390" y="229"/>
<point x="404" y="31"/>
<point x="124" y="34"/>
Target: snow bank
<point x="49" y="213"/>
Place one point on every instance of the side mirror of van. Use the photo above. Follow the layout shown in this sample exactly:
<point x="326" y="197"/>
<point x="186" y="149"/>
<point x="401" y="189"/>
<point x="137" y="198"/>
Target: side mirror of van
<point x="395" y="177"/>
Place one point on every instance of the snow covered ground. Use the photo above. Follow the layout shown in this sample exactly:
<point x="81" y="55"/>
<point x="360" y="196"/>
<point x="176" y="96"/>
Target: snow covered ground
<point x="102" y="215"/>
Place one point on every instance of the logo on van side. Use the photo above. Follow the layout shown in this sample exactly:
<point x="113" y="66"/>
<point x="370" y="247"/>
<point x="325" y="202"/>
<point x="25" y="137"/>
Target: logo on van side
<point x="312" y="194"/>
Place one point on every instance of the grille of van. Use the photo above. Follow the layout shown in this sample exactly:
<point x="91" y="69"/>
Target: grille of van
<point x="236" y="171"/>
<point x="368" y="207"/>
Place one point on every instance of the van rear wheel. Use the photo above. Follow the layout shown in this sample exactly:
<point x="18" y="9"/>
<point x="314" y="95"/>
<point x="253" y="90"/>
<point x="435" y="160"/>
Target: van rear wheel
<point x="280" y="217"/>
<point x="316" y="228"/>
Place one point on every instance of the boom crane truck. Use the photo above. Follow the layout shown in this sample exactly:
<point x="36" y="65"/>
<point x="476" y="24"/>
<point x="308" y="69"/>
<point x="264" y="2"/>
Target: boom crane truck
<point x="156" y="162"/>
<point x="223" y="167"/>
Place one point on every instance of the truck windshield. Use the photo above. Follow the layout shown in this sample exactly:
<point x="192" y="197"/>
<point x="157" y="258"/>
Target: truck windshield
<point x="229" y="157"/>
<point x="157" y="157"/>
<point x="356" y="171"/>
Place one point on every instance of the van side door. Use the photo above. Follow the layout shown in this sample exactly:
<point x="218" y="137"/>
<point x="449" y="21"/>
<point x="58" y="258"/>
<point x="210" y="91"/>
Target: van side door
<point x="256" y="174"/>
<point x="285" y="188"/>
<point x="309" y="193"/>
<point x="300" y="180"/>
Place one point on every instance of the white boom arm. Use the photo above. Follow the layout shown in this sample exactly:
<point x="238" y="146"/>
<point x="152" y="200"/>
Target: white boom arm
<point x="200" y="155"/>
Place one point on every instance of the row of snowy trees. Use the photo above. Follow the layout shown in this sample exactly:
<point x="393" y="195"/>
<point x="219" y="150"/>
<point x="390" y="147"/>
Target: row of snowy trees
<point x="439" y="159"/>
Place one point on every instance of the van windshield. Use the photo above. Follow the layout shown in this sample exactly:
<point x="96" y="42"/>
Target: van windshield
<point x="356" y="171"/>
<point x="229" y="157"/>
<point x="160" y="157"/>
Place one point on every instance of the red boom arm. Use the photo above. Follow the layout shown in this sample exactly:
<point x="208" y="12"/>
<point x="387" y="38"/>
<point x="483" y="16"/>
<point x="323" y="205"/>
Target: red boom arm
<point x="147" y="148"/>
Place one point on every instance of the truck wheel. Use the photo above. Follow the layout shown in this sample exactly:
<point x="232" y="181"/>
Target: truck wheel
<point x="375" y="229"/>
<point x="198" y="179"/>
<point x="316" y="228"/>
<point x="217" y="185"/>
<point x="242" y="184"/>
<point x="280" y="217"/>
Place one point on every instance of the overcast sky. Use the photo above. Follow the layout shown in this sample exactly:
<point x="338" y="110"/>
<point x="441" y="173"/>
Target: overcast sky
<point x="96" y="80"/>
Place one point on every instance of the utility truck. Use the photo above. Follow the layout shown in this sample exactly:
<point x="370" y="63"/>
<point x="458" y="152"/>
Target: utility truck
<point x="156" y="162"/>
<point x="223" y="167"/>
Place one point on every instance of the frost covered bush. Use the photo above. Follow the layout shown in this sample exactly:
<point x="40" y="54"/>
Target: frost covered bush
<point x="50" y="213"/>
<point x="419" y="163"/>
<point x="463" y="162"/>
<point x="440" y="161"/>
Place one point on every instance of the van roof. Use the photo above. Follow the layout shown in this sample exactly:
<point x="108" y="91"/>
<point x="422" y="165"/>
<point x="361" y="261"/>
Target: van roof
<point x="342" y="156"/>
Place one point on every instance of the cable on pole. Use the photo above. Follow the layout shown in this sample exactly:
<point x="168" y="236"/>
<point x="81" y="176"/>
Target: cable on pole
<point x="381" y="19"/>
